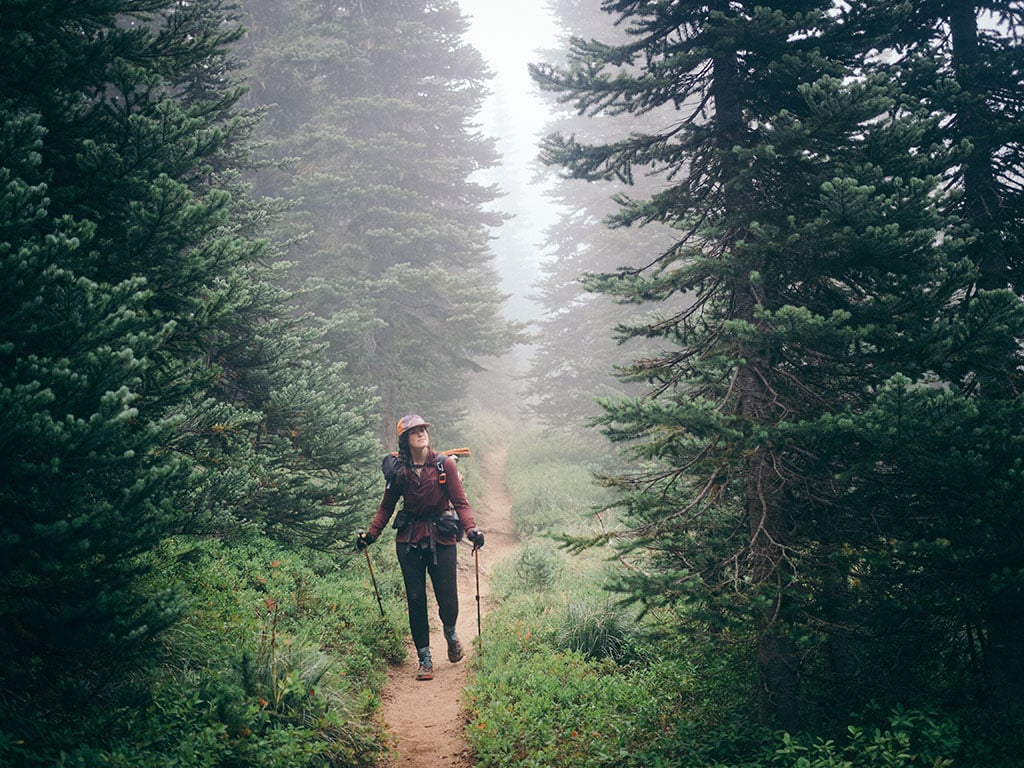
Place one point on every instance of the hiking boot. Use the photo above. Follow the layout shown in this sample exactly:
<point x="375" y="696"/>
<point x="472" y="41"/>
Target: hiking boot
<point x="455" y="653"/>
<point x="425" y="672"/>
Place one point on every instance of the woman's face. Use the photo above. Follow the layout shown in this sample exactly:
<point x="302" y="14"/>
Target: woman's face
<point x="419" y="437"/>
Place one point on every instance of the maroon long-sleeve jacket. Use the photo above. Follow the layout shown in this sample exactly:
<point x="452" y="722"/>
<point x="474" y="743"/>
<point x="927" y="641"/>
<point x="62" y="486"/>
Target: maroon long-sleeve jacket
<point x="423" y="499"/>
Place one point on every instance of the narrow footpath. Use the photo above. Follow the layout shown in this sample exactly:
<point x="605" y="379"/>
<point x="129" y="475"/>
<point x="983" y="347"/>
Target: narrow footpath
<point x="426" y="718"/>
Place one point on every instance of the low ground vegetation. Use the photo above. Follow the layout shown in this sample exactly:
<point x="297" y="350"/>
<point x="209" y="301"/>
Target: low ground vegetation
<point x="276" y="658"/>
<point x="570" y="675"/>
<point x="276" y="661"/>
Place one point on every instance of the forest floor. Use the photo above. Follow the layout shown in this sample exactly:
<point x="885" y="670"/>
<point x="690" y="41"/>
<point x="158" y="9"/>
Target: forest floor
<point x="426" y="718"/>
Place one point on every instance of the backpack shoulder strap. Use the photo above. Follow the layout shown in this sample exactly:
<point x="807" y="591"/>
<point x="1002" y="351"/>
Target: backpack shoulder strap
<point x="442" y="476"/>
<point x="389" y="468"/>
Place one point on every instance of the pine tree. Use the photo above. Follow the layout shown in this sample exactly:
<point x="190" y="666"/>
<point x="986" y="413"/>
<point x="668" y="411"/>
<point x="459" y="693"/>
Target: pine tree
<point x="810" y="254"/>
<point x="576" y="349"/>
<point x="155" y="381"/>
<point x="372" y="103"/>
<point x="961" y="63"/>
<point x="575" y="354"/>
<point x="85" y="491"/>
<point x="731" y="391"/>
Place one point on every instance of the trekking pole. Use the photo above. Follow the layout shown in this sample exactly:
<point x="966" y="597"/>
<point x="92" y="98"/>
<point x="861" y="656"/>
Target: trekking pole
<point x="476" y="558"/>
<point x="373" y="579"/>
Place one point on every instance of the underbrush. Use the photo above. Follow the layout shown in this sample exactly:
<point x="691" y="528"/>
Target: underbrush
<point x="569" y="676"/>
<point x="277" y="662"/>
<point x="551" y="689"/>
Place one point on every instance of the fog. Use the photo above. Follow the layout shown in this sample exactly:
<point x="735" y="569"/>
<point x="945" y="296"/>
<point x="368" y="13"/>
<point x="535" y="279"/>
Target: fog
<point x="510" y="36"/>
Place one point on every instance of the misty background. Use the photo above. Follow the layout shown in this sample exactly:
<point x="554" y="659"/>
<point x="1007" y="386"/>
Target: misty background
<point x="511" y="37"/>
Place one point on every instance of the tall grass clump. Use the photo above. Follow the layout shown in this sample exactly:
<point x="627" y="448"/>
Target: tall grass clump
<point x="597" y="628"/>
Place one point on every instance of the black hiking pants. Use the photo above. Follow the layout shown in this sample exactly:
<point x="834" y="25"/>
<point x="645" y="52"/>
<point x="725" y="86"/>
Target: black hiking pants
<point x="416" y="562"/>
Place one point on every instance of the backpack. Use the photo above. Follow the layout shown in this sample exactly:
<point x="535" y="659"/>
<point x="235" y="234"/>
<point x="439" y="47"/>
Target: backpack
<point x="448" y="523"/>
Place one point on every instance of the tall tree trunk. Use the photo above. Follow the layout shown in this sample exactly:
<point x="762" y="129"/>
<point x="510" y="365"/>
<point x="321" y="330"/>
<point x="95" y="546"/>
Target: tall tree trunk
<point x="778" y="676"/>
<point x="974" y="124"/>
<point x="777" y="669"/>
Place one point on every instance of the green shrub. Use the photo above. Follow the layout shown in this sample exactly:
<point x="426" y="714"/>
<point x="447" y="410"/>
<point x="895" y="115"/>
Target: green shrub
<point x="537" y="566"/>
<point x="533" y="704"/>
<point x="909" y="739"/>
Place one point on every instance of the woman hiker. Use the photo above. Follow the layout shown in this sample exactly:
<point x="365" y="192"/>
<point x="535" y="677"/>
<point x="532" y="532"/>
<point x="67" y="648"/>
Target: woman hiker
<point x="428" y="483"/>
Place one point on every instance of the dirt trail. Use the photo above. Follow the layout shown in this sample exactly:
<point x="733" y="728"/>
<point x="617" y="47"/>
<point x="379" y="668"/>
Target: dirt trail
<point x="426" y="717"/>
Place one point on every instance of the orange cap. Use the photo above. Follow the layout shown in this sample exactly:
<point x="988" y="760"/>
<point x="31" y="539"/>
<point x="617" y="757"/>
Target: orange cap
<point x="408" y="422"/>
